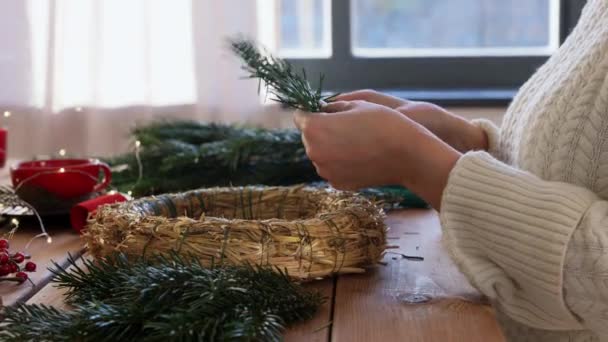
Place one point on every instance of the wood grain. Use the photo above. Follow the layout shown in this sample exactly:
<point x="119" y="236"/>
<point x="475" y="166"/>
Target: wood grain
<point x="53" y="296"/>
<point x="318" y="328"/>
<point x="412" y="301"/>
<point x="402" y="301"/>
<point x="65" y="241"/>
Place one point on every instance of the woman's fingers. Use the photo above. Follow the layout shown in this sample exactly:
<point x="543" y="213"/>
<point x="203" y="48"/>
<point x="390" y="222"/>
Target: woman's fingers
<point x="338" y="106"/>
<point x="298" y="118"/>
<point x="373" y="97"/>
<point x="302" y="119"/>
<point x="355" y="95"/>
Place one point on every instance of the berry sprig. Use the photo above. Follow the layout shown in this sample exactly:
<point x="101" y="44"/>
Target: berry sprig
<point x="11" y="264"/>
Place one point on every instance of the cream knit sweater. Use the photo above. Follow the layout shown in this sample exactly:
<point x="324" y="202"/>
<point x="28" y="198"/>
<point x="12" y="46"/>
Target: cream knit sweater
<point x="528" y="221"/>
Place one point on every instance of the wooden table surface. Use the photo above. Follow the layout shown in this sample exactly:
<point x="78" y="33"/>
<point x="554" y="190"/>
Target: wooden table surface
<point x="64" y="241"/>
<point x="403" y="300"/>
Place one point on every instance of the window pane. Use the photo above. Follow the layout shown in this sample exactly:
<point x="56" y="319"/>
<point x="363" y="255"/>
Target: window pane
<point x="296" y="28"/>
<point x="454" y="27"/>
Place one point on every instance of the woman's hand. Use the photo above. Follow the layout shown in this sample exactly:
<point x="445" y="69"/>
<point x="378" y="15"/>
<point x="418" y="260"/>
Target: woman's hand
<point x="359" y="144"/>
<point x="454" y="130"/>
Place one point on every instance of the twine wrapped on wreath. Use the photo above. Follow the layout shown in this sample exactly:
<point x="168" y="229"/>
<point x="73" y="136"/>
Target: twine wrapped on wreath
<point x="309" y="232"/>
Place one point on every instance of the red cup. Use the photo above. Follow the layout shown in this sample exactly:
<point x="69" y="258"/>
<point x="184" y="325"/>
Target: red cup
<point x="81" y="211"/>
<point x="65" y="178"/>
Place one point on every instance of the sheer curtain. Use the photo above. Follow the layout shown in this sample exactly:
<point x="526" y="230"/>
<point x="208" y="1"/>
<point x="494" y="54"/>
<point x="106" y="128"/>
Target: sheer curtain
<point x="78" y="74"/>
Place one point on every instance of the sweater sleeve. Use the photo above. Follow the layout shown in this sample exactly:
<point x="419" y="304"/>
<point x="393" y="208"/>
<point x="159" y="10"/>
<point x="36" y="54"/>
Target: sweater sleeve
<point x="534" y="247"/>
<point x="585" y="271"/>
<point x="492" y="132"/>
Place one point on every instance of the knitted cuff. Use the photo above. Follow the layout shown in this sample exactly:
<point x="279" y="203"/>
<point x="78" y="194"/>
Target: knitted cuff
<point x="493" y="133"/>
<point x="508" y="231"/>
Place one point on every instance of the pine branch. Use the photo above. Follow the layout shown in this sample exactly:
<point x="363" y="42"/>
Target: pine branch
<point x="179" y="156"/>
<point x="185" y="155"/>
<point x="91" y="322"/>
<point x="164" y="298"/>
<point x="283" y="82"/>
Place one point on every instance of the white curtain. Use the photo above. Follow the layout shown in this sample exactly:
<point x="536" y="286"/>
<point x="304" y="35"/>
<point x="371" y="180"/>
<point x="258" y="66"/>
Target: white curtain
<point x="78" y="74"/>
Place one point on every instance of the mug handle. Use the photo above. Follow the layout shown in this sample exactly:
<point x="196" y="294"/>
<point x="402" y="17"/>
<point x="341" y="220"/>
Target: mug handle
<point x="107" y="177"/>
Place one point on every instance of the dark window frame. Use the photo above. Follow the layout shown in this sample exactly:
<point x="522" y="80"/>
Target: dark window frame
<point x="483" y="80"/>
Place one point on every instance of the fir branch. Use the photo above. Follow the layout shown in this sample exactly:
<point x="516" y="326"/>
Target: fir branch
<point x="179" y="156"/>
<point x="285" y="84"/>
<point x="164" y="298"/>
<point x="185" y="155"/>
<point x="90" y="322"/>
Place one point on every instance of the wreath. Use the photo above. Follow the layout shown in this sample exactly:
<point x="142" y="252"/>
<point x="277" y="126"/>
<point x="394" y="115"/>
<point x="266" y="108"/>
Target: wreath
<point x="309" y="232"/>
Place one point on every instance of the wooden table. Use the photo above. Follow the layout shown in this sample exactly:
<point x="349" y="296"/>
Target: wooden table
<point x="403" y="300"/>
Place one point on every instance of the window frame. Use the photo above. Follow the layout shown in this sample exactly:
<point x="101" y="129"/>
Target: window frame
<point x="453" y="80"/>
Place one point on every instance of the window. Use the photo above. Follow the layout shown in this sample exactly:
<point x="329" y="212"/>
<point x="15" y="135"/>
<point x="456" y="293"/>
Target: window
<point x="431" y="49"/>
<point x="295" y="28"/>
<point x="110" y="53"/>
<point x="429" y="28"/>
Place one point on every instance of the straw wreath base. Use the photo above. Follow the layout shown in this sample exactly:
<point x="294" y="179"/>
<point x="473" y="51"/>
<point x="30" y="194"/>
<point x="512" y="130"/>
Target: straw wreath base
<point x="309" y="232"/>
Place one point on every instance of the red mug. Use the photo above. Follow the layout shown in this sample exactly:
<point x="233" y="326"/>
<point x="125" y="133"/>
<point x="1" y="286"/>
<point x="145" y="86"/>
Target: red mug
<point x="65" y="178"/>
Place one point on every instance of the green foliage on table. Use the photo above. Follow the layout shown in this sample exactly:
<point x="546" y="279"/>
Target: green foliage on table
<point x="184" y="155"/>
<point x="166" y="298"/>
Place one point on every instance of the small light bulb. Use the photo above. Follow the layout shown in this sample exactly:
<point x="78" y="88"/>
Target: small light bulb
<point x="15" y="222"/>
<point x="129" y="192"/>
<point x="62" y="170"/>
<point x="137" y="143"/>
<point x="112" y="192"/>
<point x="49" y="239"/>
<point x="7" y="113"/>
<point x="62" y="152"/>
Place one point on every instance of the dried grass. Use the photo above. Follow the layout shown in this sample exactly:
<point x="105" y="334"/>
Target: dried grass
<point x="310" y="232"/>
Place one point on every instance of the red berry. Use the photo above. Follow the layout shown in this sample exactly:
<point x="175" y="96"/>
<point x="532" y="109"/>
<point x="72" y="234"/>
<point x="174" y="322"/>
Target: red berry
<point x="4" y="243"/>
<point x="5" y="270"/>
<point x="30" y="266"/>
<point x="13" y="268"/>
<point x="22" y="276"/>
<point x="18" y="258"/>
<point x="4" y="259"/>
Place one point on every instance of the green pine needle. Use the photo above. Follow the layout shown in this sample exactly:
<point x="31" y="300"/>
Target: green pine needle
<point x="185" y="155"/>
<point x="285" y="84"/>
<point x="166" y="298"/>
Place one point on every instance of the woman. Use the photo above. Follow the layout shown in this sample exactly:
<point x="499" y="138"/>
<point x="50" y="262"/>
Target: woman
<point x="523" y="208"/>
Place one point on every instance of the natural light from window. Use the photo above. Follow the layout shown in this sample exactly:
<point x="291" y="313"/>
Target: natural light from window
<point x="413" y="28"/>
<point x="296" y="28"/>
<point x="97" y="49"/>
<point x="383" y="28"/>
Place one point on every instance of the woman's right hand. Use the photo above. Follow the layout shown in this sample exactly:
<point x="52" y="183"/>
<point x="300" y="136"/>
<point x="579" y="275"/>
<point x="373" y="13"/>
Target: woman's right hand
<point x="454" y="130"/>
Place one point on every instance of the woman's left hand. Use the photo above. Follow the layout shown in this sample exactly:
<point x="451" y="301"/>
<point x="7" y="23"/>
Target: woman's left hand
<point x="358" y="144"/>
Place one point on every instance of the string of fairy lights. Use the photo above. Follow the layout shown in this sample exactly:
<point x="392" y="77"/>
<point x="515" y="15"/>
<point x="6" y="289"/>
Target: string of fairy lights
<point x="15" y="223"/>
<point x="63" y="153"/>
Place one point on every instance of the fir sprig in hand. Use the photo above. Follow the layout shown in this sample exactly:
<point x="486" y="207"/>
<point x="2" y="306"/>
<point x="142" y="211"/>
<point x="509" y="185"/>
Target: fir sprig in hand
<point x="283" y="82"/>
